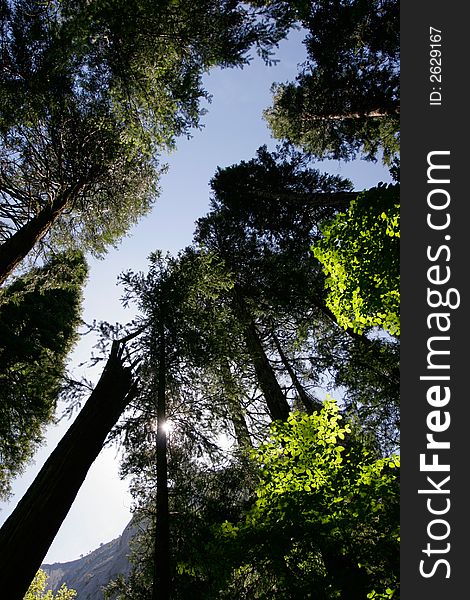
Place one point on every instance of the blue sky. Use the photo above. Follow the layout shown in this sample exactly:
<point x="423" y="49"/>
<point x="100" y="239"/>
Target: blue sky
<point x="234" y="129"/>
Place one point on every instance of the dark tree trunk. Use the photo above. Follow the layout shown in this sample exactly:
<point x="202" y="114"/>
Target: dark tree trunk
<point x="18" y="246"/>
<point x="369" y="114"/>
<point x="308" y="402"/>
<point x="277" y="404"/>
<point x="161" y="579"/>
<point x="30" y="530"/>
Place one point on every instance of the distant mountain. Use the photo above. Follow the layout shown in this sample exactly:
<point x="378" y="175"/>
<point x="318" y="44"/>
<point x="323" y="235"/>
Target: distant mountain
<point x="88" y="575"/>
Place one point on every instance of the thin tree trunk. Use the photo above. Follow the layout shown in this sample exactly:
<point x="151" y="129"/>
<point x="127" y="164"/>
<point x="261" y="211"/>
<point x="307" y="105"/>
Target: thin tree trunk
<point x="309" y="404"/>
<point x="277" y="404"/>
<point x="161" y="579"/>
<point x="18" y="246"/>
<point x="28" y="533"/>
<point x="354" y="115"/>
<point x="235" y="409"/>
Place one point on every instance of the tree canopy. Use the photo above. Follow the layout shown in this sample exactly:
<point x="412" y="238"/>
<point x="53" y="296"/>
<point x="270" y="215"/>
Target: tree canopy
<point x="360" y="252"/>
<point x="92" y="97"/>
<point x="345" y="99"/>
<point x="237" y="326"/>
<point x="320" y="526"/>
<point x="265" y="216"/>
<point x="218" y="389"/>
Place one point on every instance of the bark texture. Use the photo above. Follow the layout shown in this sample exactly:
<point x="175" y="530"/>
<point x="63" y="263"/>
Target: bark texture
<point x="310" y="404"/>
<point x="276" y="402"/>
<point x="18" y="246"/>
<point x="28" y="533"/>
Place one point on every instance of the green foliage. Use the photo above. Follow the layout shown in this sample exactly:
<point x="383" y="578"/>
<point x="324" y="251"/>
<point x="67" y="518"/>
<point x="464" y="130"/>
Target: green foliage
<point x="265" y="214"/>
<point x="302" y="442"/>
<point x="360" y="254"/>
<point x="314" y="514"/>
<point x="37" y="589"/>
<point x="93" y="92"/>
<point x="345" y="100"/>
<point x="325" y="522"/>
<point x="39" y="316"/>
<point x="311" y="115"/>
<point x="201" y="497"/>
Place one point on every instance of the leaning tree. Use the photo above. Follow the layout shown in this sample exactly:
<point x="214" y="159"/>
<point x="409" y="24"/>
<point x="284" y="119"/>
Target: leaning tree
<point x="92" y="93"/>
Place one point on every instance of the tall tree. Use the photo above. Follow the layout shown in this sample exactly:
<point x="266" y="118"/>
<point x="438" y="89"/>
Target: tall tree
<point x="266" y="214"/>
<point x="66" y="170"/>
<point x="93" y="92"/>
<point x="345" y="100"/>
<point x="262" y="211"/>
<point x="47" y="501"/>
<point x="173" y="349"/>
<point x="161" y="579"/>
<point x="39" y="317"/>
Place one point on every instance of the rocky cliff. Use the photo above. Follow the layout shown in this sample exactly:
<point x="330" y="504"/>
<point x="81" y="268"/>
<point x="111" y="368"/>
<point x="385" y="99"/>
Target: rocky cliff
<point x="88" y="575"/>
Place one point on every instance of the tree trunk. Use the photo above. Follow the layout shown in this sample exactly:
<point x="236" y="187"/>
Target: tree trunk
<point x="234" y="407"/>
<point x="377" y="114"/>
<point x="28" y="533"/>
<point x="277" y="404"/>
<point x="308" y="402"/>
<point x="161" y="557"/>
<point x="18" y="246"/>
